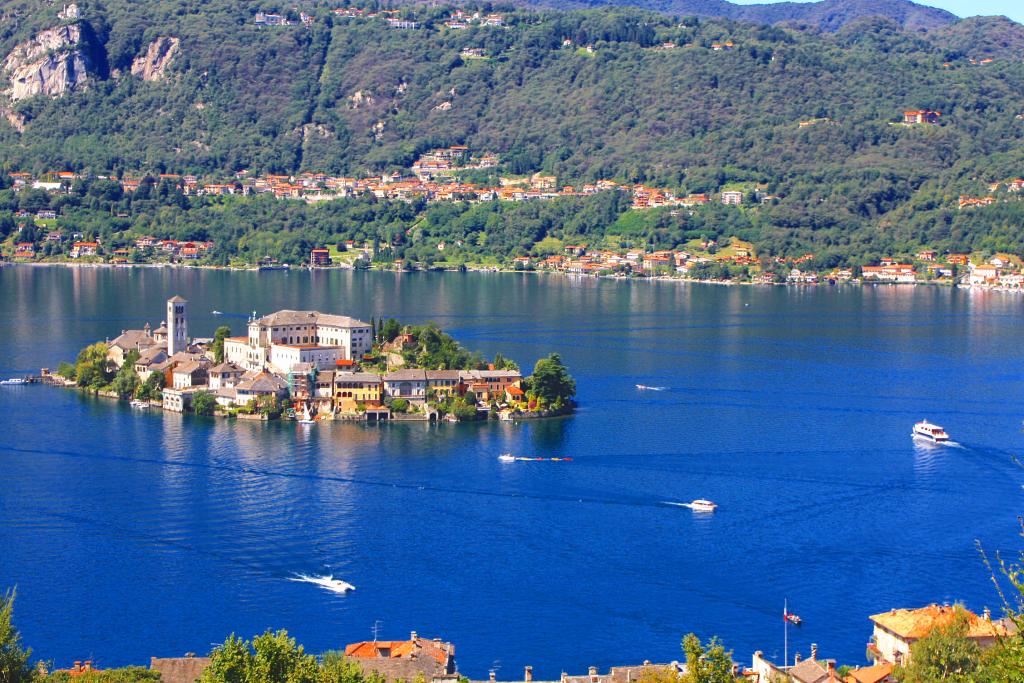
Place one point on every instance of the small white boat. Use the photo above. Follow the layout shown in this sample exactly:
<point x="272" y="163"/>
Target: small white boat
<point x="702" y="505"/>
<point x="306" y="418"/>
<point x="327" y="582"/>
<point x="14" y="381"/>
<point x="644" y="387"/>
<point x="139" y="404"/>
<point x="215" y="312"/>
<point x="507" y="457"/>
<point x="930" y="432"/>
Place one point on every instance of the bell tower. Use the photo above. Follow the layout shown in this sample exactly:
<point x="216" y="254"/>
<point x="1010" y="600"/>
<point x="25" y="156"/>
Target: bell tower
<point x="177" y="325"/>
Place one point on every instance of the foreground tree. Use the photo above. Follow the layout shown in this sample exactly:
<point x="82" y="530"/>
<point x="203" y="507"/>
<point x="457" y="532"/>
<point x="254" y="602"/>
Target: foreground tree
<point x="269" y="658"/>
<point x="709" y="663"/>
<point x="1004" y="661"/>
<point x="14" y="666"/>
<point x="945" y="654"/>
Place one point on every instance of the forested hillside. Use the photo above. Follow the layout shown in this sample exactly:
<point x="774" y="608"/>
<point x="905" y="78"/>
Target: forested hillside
<point x="606" y="93"/>
<point x="828" y="15"/>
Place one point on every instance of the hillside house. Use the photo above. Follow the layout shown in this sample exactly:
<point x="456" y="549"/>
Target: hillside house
<point x="319" y="258"/>
<point x="921" y="116"/>
<point x="732" y="197"/>
<point x="79" y="249"/>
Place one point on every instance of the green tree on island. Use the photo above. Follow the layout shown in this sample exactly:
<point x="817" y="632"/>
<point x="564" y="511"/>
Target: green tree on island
<point x="150" y="389"/>
<point x="126" y="381"/>
<point x="92" y="369"/>
<point x="219" y="335"/>
<point x="14" y="666"/>
<point x="551" y="383"/>
<point x="203" y="403"/>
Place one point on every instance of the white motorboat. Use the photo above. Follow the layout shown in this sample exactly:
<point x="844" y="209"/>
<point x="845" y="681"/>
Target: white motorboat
<point x="702" y="505"/>
<point x="215" y="312"/>
<point x="139" y="404"/>
<point x="327" y="582"/>
<point x="14" y="381"/>
<point x="507" y="457"/>
<point x="930" y="432"/>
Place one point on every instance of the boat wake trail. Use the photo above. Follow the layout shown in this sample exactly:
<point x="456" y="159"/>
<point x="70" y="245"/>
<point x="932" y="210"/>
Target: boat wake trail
<point x="644" y="387"/>
<point x="327" y="582"/>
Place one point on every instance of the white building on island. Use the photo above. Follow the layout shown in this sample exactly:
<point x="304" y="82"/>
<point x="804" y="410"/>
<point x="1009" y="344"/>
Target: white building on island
<point x="281" y="340"/>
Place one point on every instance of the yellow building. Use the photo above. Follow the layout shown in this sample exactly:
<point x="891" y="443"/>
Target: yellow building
<point x="353" y="388"/>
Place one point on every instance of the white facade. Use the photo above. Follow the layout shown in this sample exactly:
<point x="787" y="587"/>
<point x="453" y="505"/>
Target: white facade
<point x="283" y="358"/>
<point x="282" y="339"/>
<point x="244" y="355"/>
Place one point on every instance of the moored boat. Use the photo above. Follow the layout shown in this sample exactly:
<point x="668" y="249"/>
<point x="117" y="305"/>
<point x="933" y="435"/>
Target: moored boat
<point x="930" y="432"/>
<point x="14" y="381"/>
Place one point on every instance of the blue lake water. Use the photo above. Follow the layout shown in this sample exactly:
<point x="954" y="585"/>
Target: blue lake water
<point x="131" y="535"/>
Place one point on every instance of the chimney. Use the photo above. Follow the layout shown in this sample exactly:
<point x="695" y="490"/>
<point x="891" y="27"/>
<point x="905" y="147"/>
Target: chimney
<point x="493" y="677"/>
<point x="412" y="636"/>
<point x="88" y="665"/>
<point x="796" y="659"/>
<point x="987" y="613"/>
<point x="528" y="674"/>
<point x="592" y="671"/>
<point x="77" y="667"/>
<point x="647" y="662"/>
<point x="814" y="650"/>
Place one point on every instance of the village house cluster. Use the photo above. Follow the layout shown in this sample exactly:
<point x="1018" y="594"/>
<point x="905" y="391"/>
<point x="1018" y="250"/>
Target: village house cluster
<point x="432" y="177"/>
<point x="433" y="660"/>
<point x="311" y="359"/>
<point x="579" y="259"/>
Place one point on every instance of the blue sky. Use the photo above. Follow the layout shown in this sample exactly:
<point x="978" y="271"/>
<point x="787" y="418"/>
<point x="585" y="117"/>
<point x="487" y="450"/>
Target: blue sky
<point x="964" y="8"/>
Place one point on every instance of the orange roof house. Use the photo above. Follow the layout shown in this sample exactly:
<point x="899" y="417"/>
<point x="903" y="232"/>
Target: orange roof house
<point x="405" y="659"/>
<point x="877" y="673"/>
<point x="897" y="630"/>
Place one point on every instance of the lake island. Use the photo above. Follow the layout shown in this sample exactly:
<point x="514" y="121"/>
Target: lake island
<point x="308" y="366"/>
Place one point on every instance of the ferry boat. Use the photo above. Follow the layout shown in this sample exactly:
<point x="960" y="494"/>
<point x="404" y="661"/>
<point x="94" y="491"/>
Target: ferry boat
<point x="702" y="505"/>
<point x="931" y="432"/>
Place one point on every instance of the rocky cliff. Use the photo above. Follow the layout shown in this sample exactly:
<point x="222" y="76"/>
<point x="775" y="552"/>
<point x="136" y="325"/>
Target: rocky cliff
<point x="52" y="63"/>
<point x="153" y="65"/>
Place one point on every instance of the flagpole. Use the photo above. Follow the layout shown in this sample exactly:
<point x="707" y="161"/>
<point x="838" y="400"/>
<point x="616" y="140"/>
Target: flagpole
<point x="785" y="632"/>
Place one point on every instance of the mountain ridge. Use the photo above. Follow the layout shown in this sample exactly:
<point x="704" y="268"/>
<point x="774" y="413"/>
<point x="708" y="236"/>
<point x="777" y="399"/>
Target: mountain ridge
<point x="826" y="15"/>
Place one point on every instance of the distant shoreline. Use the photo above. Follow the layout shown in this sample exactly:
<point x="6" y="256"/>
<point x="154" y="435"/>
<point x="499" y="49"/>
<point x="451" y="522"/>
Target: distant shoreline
<point x="619" y="278"/>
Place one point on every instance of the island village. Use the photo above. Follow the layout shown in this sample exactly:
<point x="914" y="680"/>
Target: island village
<point x="432" y="660"/>
<point x="309" y="366"/>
